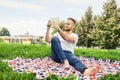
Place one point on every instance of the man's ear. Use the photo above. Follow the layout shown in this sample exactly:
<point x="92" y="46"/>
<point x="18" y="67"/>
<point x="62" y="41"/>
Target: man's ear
<point x="73" y="25"/>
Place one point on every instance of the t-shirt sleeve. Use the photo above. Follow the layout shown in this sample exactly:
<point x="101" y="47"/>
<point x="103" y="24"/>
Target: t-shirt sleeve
<point x="76" y="38"/>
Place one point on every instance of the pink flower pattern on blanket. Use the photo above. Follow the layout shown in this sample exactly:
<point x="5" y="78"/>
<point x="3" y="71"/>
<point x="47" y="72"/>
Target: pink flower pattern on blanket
<point x="43" y="66"/>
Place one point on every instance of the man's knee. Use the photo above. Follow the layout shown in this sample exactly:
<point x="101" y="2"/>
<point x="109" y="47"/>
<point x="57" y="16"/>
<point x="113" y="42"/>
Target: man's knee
<point x="54" y="39"/>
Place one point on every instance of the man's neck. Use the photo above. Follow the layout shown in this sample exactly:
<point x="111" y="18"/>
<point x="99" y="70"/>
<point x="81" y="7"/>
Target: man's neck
<point x="68" y="32"/>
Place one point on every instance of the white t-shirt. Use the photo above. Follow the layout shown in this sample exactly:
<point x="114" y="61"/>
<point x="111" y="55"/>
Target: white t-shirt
<point x="66" y="45"/>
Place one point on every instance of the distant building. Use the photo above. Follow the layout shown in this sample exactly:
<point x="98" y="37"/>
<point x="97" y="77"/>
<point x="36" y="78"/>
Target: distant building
<point x="22" y="39"/>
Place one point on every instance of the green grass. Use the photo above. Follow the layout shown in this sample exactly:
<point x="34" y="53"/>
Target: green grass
<point x="111" y="77"/>
<point x="10" y="51"/>
<point x="55" y="77"/>
<point x="98" y="53"/>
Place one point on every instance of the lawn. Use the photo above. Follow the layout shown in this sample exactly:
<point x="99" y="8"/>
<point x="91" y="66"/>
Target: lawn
<point x="10" y="51"/>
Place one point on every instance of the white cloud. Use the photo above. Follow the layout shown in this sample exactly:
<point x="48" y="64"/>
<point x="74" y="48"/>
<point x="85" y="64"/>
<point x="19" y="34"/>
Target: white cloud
<point x="21" y="5"/>
<point x="34" y="27"/>
<point x="85" y="2"/>
<point x="72" y="9"/>
<point x="82" y="5"/>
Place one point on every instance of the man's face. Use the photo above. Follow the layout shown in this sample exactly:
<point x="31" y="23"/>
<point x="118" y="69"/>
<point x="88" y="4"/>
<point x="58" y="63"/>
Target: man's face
<point x="68" y="25"/>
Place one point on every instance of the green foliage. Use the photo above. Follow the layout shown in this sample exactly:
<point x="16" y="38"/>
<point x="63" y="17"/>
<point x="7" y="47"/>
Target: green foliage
<point x="84" y="28"/>
<point x="106" y="29"/>
<point x="4" y="32"/>
<point x="55" y="77"/>
<point x="111" y="77"/>
<point x="101" y="30"/>
<point x="6" y="73"/>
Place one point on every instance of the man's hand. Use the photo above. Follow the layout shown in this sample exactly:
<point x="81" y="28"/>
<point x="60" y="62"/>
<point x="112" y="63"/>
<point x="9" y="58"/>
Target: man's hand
<point x="55" y="25"/>
<point x="49" y="24"/>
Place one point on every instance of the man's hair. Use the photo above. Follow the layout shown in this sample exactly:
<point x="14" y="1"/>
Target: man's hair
<point x="74" y="21"/>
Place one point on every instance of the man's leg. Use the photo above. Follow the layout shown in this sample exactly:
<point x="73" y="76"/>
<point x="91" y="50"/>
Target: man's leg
<point x="57" y="52"/>
<point x="75" y="61"/>
<point x="79" y="66"/>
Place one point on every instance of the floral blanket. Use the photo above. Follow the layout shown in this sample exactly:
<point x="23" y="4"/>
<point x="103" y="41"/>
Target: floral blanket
<point x="42" y="67"/>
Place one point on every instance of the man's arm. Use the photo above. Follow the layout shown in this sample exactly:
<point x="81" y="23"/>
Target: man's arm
<point x="48" y="35"/>
<point x="64" y="35"/>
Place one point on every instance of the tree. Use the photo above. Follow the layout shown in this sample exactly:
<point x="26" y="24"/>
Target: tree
<point x="82" y="33"/>
<point x="107" y="26"/>
<point x="84" y="28"/>
<point x="4" y="32"/>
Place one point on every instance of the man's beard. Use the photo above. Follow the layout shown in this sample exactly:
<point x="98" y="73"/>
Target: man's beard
<point x="67" y="30"/>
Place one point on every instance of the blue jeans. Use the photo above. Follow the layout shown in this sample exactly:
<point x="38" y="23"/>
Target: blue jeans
<point x="60" y="55"/>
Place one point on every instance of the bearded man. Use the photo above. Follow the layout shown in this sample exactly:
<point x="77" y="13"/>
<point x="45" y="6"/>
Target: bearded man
<point x="63" y="44"/>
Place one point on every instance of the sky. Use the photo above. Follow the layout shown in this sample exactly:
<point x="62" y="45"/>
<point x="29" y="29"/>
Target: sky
<point x="31" y="16"/>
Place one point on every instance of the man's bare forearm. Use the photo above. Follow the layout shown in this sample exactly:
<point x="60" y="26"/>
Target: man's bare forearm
<point x="65" y="36"/>
<point x="47" y="35"/>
